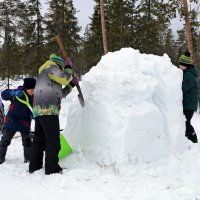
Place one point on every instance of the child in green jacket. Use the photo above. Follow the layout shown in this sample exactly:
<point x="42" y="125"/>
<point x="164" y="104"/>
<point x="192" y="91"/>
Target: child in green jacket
<point x="190" y="93"/>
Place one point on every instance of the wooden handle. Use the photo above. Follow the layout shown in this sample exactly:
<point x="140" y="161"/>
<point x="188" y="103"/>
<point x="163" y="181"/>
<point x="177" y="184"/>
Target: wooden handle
<point x="60" y="44"/>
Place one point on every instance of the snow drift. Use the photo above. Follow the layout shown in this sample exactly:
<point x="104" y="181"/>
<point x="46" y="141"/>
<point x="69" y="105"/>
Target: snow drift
<point x="133" y="111"/>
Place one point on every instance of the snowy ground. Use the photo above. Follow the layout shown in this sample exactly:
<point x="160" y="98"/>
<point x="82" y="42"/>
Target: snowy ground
<point x="176" y="177"/>
<point x="172" y="178"/>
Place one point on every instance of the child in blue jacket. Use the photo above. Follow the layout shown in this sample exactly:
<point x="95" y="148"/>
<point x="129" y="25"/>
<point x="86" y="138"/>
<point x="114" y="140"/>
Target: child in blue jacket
<point x="18" y="118"/>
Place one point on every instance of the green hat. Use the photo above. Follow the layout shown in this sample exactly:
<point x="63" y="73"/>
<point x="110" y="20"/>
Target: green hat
<point x="58" y="60"/>
<point x="185" y="60"/>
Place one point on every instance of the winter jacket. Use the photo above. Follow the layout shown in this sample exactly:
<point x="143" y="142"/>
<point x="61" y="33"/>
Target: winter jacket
<point x="48" y="90"/>
<point x="1" y="114"/>
<point x="190" y="89"/>
<point x="19" y="115"/>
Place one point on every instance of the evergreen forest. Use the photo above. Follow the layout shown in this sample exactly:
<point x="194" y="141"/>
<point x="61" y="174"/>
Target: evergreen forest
<point x="27" y="40"/>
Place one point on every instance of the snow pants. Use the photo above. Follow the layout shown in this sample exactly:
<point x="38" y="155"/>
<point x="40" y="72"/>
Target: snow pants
<point x="46" y="139"/>
<point x="190" y="132"/>
<point x="6" y="140"/>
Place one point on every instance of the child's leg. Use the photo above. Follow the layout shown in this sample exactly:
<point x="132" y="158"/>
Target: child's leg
<point x="52" y="146"/>
<point x="190" y="132"/>
<point x="37" y="148"/>
<point x="26" y="142"/>
<point x="5" y="142"/>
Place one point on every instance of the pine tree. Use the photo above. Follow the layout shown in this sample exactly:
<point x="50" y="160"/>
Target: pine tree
<point x="197" y="41"/>
<point x="169" y="46"/>
<point x="195" y="31"/>
<point x="9" y="15"/>
<point x="32" y="34"/>
<point x="153" y="19"/>
<point x="120" y="24"/>
<point x="92" y="45"/>
<point x="62" y="12"/>
<point x="129" y="23"/>
<point x="181" y="43"/>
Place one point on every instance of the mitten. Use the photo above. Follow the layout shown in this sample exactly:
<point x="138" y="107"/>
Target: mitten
<point x="74" y="81"/>
<point x="18" y="93"/>
<point x="68" y="73"/>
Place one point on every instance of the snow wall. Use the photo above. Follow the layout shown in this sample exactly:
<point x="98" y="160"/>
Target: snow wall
<point x="133" y="110"/>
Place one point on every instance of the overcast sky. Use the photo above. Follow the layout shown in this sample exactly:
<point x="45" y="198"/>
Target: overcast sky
<point x="85" y="10"/>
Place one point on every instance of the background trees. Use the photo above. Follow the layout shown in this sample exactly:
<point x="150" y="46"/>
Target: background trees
<point x="31" y="24"/>
<point x="26" y="39"/>
<point x="62" y="13"/>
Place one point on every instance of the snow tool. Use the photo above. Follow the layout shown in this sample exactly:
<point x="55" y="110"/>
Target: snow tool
<point x="80" y="95"/>
<point x="64" y="53"/>
<point x="65" y="147"/>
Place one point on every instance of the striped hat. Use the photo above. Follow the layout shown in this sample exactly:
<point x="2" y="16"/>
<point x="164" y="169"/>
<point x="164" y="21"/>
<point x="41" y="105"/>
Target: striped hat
<point x="58" y="60"/>
<point x="185" y="59"/>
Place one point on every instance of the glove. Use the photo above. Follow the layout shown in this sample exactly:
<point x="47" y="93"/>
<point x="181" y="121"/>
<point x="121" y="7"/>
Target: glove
<point x="18" y="93"/>
<point x="68" y="73"/>
<point x="68" y="63"/>
<point x="74" y="81"/>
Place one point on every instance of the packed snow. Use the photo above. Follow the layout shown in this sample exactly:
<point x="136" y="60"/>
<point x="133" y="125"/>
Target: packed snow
<point x="132" y="102"/>
<point x="128" y="140"/>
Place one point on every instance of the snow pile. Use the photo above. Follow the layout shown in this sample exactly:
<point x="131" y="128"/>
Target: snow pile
<point x="133" y="110"/>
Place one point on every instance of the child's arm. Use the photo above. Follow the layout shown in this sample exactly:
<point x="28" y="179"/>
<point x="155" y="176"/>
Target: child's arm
<point x="67" y="89"/>
<point x="8" y="94"/>
<point x="60" y="77"/>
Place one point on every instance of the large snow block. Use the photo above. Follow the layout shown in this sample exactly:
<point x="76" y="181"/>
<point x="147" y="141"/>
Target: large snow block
<point x="133" y="110"/>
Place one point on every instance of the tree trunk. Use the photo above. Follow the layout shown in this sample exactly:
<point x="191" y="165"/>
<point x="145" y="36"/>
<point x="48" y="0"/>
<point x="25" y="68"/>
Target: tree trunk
<point x="103" y="27"/>
<point x="149" y="9"/>
<point x="188" y="31"/>
<point x="6" y="50"/>
<point x="38" y="30"/>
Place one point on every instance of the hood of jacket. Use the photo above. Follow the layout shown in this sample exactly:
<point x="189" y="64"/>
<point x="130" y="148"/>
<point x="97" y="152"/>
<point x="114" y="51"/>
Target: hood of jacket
<point x="46" y="64"/>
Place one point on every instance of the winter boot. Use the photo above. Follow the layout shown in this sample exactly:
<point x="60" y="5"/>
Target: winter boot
<point x="3" y="151"/>
<point x="192" y="136"/>
<point x="33" y="168"/>
<point x="59" y="170"/>
<point x="27" y="154"/>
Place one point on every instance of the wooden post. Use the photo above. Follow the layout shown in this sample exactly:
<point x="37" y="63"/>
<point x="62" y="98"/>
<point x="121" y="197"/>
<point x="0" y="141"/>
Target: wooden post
<point x="103" y="27"/>
<point x="188" y="31"/>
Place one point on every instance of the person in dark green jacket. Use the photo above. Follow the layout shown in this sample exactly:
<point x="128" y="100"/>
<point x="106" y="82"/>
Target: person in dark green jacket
<point x="190" y="93"/>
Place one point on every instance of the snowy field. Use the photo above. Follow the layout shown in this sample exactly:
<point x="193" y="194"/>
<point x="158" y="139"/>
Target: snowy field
<point x="128" y="140"/>
<point x="174" y="177"/>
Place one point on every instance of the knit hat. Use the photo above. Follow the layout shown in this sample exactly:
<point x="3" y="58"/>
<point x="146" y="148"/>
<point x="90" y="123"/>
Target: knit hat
<point x="185" y="59"/>
<point x="29" y="83"/>
<point x="58" y="60"/>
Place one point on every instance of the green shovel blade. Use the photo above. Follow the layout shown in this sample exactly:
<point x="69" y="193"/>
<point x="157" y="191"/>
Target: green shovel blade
<point x="65" y="147"/>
